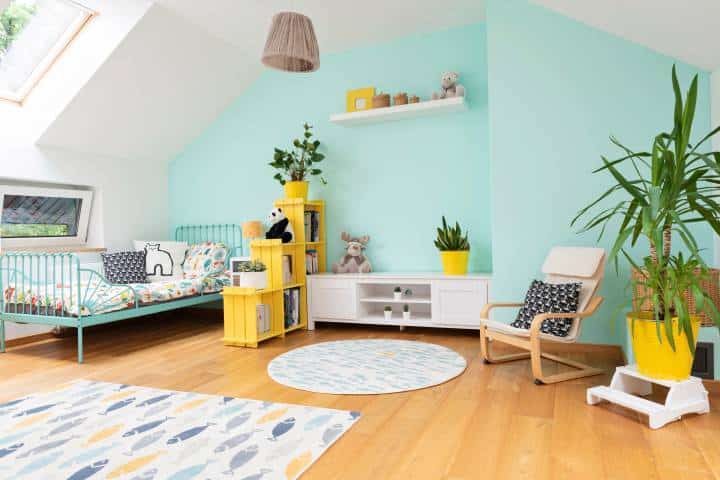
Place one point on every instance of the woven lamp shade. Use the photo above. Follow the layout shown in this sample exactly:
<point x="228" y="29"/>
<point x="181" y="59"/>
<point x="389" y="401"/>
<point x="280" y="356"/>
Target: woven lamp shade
<point x="252" y="229"/>
<point x="291" y="45"/>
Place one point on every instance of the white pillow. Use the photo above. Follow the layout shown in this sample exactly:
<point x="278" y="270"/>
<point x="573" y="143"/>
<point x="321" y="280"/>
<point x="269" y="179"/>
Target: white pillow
<point x="163" y="259"/>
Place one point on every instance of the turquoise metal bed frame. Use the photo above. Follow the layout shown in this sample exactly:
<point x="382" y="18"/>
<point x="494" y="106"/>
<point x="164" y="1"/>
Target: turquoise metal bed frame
<point x="25" y="269"/>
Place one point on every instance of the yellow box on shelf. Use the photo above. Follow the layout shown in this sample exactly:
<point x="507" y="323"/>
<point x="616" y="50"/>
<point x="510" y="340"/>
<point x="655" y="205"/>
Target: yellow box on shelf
<point x="252" y="316"/>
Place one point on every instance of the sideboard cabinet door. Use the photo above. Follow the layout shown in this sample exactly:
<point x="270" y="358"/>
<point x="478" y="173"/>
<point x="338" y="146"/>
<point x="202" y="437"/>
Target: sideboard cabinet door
<point x="333" y="298"/>
<point x="458" y="302"/>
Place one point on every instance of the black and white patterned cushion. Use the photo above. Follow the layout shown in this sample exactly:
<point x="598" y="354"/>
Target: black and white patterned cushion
<point x="125" y="267"/>
<point x="549" y="298"/>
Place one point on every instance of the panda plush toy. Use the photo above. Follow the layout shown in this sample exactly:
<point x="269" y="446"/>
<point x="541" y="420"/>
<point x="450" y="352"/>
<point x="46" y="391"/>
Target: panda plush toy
<point x="280" y="226"/>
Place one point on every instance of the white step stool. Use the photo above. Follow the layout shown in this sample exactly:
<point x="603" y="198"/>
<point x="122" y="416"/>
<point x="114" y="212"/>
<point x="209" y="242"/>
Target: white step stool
<point x="628" y="385"/>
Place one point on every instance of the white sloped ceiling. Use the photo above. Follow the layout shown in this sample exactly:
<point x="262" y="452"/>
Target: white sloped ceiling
<point x="686" y="30"/>
<point x="185" y="61"/>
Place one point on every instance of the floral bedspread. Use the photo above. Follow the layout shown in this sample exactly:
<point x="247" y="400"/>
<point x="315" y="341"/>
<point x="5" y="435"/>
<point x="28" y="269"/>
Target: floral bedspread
<point x="98" y="297"/>
<point x="162" y="291"/>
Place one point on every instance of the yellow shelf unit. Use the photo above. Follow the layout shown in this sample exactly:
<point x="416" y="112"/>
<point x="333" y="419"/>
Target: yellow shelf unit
<point x="295" y="209"/>
<point x="241" y="303"/>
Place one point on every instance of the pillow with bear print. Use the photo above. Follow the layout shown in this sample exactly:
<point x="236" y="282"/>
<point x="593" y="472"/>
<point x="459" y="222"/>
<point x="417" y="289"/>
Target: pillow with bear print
<point x="549" y="298"/>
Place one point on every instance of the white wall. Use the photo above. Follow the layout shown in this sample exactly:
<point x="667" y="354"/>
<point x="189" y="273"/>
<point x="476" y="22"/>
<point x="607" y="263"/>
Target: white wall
<point x="130" y="196"/>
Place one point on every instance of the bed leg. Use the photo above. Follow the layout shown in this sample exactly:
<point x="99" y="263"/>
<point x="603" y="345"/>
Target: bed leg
<point x="2" y="335"/>
<point x="80" y="344"/>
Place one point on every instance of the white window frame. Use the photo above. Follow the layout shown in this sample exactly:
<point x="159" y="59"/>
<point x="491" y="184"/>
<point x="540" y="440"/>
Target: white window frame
<point x="53" y="55"/>
<point x="33" y="242"/>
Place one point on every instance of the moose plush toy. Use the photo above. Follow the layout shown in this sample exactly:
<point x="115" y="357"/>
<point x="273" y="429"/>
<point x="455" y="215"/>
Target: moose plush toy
<point x="353" y="261"/>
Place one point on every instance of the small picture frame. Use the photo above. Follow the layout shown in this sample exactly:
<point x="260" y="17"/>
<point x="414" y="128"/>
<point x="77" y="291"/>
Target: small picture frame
<point x="235" y="263"/>
<point x="360" y="99"/>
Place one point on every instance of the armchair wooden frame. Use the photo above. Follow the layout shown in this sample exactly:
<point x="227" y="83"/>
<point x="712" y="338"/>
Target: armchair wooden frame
<point x="533" y="343"/>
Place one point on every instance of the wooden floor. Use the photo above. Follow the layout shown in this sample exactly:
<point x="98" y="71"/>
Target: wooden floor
<point x="492" y="422"/>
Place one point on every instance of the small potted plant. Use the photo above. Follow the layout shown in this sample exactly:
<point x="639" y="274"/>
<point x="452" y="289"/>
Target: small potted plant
<point x="408" y="292"/>
<point x="388" y="313"/>
<point x="406" y="312"/>
<point x="397" y="293"/>
<point x="295" y="165"/>
<point x="454" y="249"/>
<point x="253" y="275"/>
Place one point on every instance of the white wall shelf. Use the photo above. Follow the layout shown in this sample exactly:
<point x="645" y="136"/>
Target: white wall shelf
<point x="400" y="112"/>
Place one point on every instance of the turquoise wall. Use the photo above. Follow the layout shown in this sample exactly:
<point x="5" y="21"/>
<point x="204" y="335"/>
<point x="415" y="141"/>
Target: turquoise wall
<point x="557" y="90"/>
<point x="392" y="181"/>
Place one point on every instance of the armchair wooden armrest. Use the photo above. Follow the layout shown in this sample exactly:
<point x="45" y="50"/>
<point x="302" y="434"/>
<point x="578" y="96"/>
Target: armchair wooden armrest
<point x="540" y="318"/>
<point x="485" y="312"/>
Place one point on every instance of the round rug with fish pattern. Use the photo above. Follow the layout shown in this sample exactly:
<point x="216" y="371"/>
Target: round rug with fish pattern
<point x="366" y="367"/>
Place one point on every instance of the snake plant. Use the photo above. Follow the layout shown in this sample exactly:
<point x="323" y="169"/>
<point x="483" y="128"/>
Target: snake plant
<point x="451" y="238"/>
<point x="657" y="194"/>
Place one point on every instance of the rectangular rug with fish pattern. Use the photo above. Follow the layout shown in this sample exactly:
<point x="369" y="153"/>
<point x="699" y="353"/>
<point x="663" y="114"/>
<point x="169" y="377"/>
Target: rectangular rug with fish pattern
<point x="96" y="430"/>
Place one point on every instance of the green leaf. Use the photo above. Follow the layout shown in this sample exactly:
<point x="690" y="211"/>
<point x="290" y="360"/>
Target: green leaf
<point x="678" y="97"/>
<point x="636" y="193"/>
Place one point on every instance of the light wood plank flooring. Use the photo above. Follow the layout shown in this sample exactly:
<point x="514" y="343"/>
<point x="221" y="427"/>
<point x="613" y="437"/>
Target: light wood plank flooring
<point x="492" y="422"/>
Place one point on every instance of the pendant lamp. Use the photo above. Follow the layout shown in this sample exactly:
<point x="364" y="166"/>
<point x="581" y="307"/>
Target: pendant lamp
<point x="291" y="45"/>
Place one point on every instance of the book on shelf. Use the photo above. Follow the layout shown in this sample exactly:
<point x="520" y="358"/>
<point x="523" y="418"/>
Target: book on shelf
<point x="292" y="306"/>
<point x="308" y="229"/>
<point x="263" y="318"/>
<point x="312" y="226"/>
<point x="287" y="268"/>
<point x="311" y="262"/>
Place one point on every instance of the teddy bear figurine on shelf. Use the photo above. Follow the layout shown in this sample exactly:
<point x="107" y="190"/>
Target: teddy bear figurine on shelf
<point x="449" y="87"/>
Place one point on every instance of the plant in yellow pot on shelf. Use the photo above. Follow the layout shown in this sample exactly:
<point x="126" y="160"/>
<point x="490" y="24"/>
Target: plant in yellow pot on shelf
<point x="297" y="164"/>
<point x="454" y="248"/>
<point x="658" y="195"/>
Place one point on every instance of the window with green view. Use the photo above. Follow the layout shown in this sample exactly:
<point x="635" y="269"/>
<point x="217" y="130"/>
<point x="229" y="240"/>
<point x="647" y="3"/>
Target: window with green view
<point x="25" y="216"/>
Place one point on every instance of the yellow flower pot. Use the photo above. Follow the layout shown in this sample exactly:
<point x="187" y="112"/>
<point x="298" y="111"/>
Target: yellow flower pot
<point x="296" y="190"/>
<point x="655" y="357"/>
<point x="455" y="262"/>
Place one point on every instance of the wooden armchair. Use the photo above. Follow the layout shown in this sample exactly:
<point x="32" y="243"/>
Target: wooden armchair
<point x="562" y="265"/>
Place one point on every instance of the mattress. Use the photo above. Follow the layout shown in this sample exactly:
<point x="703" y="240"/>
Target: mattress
<point x="98" y="297"/>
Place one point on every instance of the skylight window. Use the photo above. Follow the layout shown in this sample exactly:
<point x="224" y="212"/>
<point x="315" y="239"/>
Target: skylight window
<point x="33" y="33"/>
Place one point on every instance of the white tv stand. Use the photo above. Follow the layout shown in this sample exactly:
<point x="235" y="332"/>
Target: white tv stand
<point x="438" y="300"/>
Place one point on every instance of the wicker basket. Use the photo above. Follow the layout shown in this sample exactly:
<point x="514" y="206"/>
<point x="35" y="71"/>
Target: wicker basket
<point x="400" y="99"/>
<point x="381" y="100"/>
<point x="709" y="286"/>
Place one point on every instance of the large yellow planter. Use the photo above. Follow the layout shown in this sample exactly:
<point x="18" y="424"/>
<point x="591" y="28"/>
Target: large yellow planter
<point x="656" y="358"/>
<point x="455" y="262"/>
<point x="296" y="190"/>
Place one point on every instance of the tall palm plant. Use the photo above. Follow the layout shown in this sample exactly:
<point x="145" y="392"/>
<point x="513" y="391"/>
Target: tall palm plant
<point x="662" y="192"/>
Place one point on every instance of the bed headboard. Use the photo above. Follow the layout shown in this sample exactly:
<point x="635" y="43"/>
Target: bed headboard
<point x="229" y="234"/>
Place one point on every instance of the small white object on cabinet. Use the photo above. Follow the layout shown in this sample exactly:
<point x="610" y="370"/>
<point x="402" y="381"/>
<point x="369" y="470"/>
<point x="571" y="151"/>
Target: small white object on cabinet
<point x="436" y="301"/>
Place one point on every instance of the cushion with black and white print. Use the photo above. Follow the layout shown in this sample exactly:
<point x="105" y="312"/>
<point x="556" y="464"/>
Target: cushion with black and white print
<point x="125" y="267"/>
<point x="549" y="298"/>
